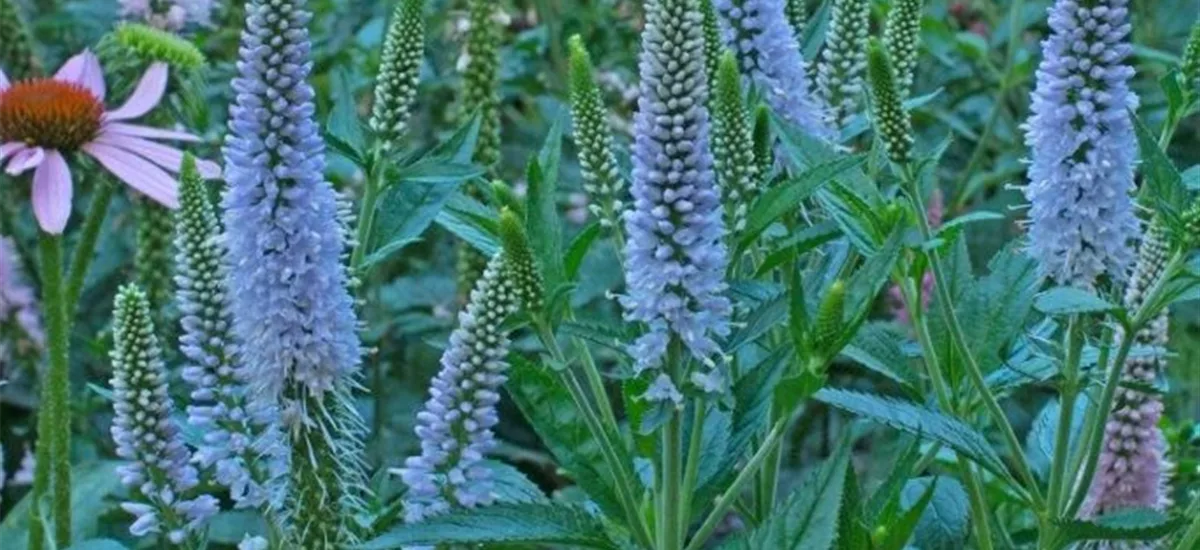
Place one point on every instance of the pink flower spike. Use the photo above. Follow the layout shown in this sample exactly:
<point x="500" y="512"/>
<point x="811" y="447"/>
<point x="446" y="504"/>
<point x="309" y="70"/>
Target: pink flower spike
<point x="146" y="96"/>
<point x="25" y="159"/>
<point x="52" y="193"/>
<point x="139" y="173"/>
<point x="84" y="69"/>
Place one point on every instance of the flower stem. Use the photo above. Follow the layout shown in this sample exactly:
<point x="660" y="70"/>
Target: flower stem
<point x="53" y="468"/>
<point x="735" y="489"/>
<point x="692" y="471"/>
<point x="366" y="213"/>
<point x="1070" y="390"/>
<point x="958" y="336"/>
<point x="85" y="249"/>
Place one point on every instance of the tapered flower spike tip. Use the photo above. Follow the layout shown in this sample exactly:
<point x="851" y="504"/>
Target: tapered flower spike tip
<point x="399" y="71"/>
<point x="1191" y="59"/>
<point x="520" y="267"/>
<point x="598" y="164"/>
<point x="900" y="35"/>
<point x="159" y="470"/>
<point x="733" y="144"/>
<point x="891" y="121"/>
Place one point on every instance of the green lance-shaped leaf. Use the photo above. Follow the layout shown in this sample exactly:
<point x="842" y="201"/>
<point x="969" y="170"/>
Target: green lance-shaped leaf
<point x="598" y="164"/>
<point x="1191" y="59"/>
<point x="797" y="15"/>
<point x="891" y="121"/>
<point x="16" y="50"/>
<point x="733" y="145"/>
<point x="399" y="72"/>
<point x="900" y="36"/>
<point x="712" y="43"/>
<point x="844" y="59"/>
<point x="518" y="266"/>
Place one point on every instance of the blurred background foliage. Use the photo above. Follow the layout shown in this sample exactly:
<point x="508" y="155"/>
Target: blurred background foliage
<point x="975" y="81"/>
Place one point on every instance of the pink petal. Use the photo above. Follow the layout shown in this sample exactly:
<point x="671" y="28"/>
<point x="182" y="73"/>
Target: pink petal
<point x="145" y="97"/>
<point x="52" y="193"/>
<point x="25" y="159"/>
<point x="84" y="69"/>
<point x="10" y="148"/>
<point x="138" y="172"/>
<point x="167" y="157"/>
<point x="4" y="83"/>
<point x="147" y="132"/>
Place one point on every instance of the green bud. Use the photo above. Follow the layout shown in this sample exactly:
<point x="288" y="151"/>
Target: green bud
<point x="598" y="164"/>
<point x="901" y="35"/>
<point x="712" y="42"/>
<point x="1191" y="59"/>
<point x="843" y="61"/>
<point x="733" y="145"/>
<point x="481" y="79"/>
<point x="519" y="268"/>
<point x="506" y="198"/>
<point x="16" y="49"/>
<point x="797" y="16"/>
<point x="764" y="146"/>
<point x="891" y="121"/>
<point x="399" y="71"/>
<point x="149" y="45"/>
<point x="829" y="316"/>
<point x="1191" y="226"/>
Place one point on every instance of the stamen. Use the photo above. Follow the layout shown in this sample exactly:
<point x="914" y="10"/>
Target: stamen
<point x="49" y="113"/>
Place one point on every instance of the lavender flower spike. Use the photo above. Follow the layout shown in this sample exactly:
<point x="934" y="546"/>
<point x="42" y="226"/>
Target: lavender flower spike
<point x="292" y="312"/>
<point x="1082" y="145"/>
<point x="768" y="53"/>
<point x="158" y="472"/>
<point x="675" y="256"/>
<point x="241" y="446"/>
<point x="455" y="426"/>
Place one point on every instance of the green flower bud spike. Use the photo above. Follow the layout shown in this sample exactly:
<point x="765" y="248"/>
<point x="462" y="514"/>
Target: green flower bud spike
<point x="712" y="42"/>
<point x="797" y="15"/>
<point x="840" y="73"/>
<point x="399" y="72"/>
<point x="16" y="50"/>
<point x="891" y="121"/>
<point x="149" y="44"/>
<point x="1191" y="226"/>
<point x="901" y="36"/>
<point x="598" y="164"/>
<point x="1191" y="60"/>
<point x="733" y="145"/>
<point x="828" y="326"/>
<point x="764" y="152"/>
<point x="518" y="266"/>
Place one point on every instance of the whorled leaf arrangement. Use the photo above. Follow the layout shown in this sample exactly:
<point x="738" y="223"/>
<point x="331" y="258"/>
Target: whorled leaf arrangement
<point x="455" y="425"/>
<point x="597" y="163"/>
<point x="159" y="470"/>
<point x="769" y="55"/>
<point x="844" y="59"/>
<point x="1082" y="145"/>
<point x="242" y="448"/>
<point x="675" y="255"/>
<point x="292" y="312"/>
<point x="399" y="72"/>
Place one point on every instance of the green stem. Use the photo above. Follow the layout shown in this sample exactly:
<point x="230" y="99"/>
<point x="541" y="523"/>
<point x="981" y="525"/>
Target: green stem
<point x="958" y="335"/>
<point x="53" y="468"/>
<point x="979" y="509"/>
<point x="1070" y="390"/>
<point x="1095" y="431"/>
<point x="85" y="249"/>
<point x="671" y="484"/>
<point x="692" y="472"/>
<point x="366" y="213"/>
<point x="721" y="507"/>
<point x="623" y="475"/>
